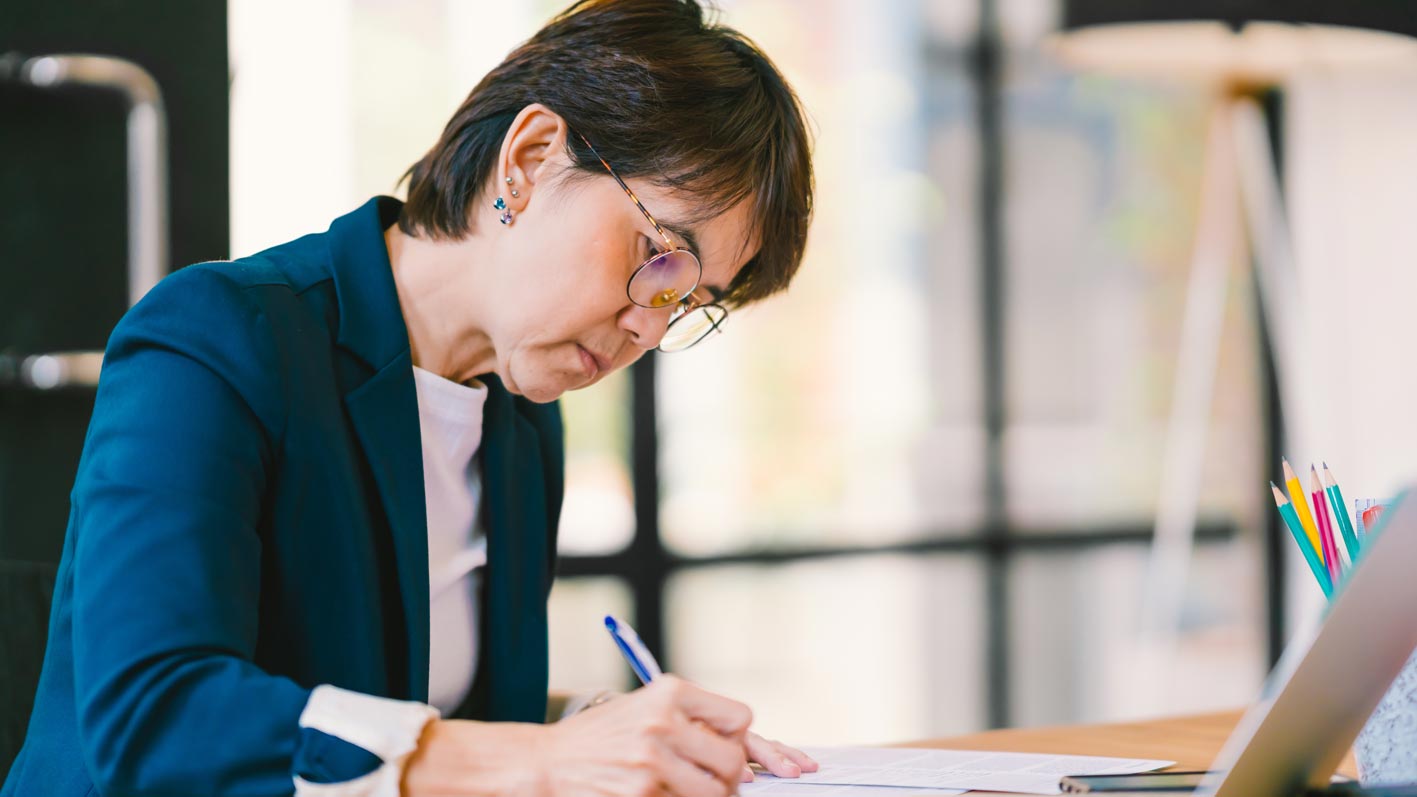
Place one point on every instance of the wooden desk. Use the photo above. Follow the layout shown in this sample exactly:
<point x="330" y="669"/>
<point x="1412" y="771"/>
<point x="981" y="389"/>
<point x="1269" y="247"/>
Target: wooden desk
<point x="1192" y="742"/>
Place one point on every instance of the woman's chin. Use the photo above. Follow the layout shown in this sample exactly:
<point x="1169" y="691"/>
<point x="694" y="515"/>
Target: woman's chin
<point x="540" y="391"/>
<point x="543" y="385"/>
<point x="543" y="396"/>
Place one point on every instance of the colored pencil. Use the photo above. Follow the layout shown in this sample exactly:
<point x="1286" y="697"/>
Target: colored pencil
<point x="1330" y="548"/>
<point x="1291" y="520"/>
<point x="1340" y="511"/>
<point x="1301" y="506"/>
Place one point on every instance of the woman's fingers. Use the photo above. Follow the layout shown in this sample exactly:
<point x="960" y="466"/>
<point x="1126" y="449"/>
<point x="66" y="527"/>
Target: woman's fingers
<point x="778" y="758"/>
<point x="764" y="752"/>
<point x="726" y="716"/>
<point x="670" y="739"/>
<point x="806" y="762"/>
<point x="684" y="777"/>
<point x="721" y="756"/>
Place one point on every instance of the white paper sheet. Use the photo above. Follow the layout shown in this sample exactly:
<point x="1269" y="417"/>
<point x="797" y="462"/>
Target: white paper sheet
<point x="790" y="787"/>
<point x="949" y="769"/>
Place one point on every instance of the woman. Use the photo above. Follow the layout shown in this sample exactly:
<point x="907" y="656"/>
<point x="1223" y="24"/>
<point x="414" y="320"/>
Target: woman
<point x="261" y="589"/>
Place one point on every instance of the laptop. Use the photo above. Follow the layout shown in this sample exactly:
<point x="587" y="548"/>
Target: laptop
<point x="1329" y="680"/>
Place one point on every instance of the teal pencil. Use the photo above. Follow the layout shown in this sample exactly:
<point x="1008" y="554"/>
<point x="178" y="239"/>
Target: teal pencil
<point x="1340" y="509"/>
<point x="1291" y="519"/>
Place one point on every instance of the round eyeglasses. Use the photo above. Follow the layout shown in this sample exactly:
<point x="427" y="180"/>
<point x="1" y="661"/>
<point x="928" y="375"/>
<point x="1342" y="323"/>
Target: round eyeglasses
<point x="669" y="279"/>
<point x="690" y="326"/>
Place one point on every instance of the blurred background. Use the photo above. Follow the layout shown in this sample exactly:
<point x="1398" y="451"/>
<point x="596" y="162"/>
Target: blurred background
<point x="918" y="494"/>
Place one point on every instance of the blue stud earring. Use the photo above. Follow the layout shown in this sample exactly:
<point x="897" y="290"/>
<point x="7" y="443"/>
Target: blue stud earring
<point x="501" y="204"/>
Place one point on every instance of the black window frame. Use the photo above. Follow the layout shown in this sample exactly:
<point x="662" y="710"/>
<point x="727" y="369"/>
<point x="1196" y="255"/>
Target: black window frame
<point x="647" y="565"/>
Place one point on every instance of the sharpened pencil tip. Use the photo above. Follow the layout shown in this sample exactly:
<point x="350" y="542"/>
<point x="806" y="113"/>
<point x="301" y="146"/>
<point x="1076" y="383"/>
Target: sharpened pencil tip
<point x="1329" y="480"/>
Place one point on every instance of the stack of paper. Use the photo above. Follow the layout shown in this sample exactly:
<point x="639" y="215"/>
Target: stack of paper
<point x="912" y="772"/>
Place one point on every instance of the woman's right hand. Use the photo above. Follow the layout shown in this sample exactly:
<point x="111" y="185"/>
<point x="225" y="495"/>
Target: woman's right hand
<point x="669" y="738"/>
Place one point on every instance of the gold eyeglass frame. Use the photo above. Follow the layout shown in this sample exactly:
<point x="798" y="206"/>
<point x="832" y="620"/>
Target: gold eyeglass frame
<point x="688" y="303"/>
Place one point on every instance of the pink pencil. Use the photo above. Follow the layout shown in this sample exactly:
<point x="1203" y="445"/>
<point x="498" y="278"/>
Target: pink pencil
<point x="1325" y="524"/>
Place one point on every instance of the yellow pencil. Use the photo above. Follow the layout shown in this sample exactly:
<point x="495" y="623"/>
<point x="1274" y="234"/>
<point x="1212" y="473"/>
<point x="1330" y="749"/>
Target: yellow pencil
<point x="1301" y="507"/>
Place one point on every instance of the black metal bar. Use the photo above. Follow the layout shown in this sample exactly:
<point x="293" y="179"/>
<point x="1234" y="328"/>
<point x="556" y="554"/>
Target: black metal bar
<point x="988" y="83"/>
<point x="1274" y="533"/>
<point x="643" y="564"/>
<point x="1001" y="543"/>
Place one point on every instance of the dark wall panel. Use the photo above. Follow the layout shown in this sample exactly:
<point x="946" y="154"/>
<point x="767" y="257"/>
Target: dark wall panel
<point x="63" y="218"/>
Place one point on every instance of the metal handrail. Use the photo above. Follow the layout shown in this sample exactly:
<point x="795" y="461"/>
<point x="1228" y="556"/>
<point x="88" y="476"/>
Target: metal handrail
<point x="51" y="371"/>
<point x="148" y="214"/>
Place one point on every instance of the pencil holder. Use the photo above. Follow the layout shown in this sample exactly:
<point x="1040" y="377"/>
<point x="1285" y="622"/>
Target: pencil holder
<point x="1386" y="749"/>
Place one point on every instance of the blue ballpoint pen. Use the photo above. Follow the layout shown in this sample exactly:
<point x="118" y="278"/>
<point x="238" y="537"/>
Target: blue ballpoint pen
<point x="634" y="651"/>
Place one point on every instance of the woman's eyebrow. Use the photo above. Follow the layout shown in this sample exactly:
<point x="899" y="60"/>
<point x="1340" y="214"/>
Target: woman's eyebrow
<point x="686" y="236"/>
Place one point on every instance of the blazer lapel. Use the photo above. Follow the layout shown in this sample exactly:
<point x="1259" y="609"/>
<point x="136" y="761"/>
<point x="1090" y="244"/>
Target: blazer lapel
<point x="383" y="408"/>
<point x="514" y="645"/>
<point x="384" y="411"/>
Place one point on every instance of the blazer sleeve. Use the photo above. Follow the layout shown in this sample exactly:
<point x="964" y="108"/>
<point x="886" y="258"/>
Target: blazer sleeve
<point x="167" y="554"/>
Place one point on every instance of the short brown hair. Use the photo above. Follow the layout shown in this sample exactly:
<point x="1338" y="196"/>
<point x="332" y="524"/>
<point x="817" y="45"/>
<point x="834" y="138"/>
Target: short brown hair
<point x="663" y="94"/>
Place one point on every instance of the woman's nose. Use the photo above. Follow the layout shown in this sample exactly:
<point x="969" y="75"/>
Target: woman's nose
<point x="645" y="325"/>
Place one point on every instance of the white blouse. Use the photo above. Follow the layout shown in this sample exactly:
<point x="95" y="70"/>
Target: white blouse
<point x="450" y="420"/>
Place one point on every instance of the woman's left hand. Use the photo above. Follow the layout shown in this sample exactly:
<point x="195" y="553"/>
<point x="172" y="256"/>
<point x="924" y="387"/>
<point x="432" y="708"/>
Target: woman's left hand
<point x="777" y="758"/>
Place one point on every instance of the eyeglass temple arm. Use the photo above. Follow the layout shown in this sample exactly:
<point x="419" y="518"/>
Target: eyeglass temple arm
<point x="629" y="193"/>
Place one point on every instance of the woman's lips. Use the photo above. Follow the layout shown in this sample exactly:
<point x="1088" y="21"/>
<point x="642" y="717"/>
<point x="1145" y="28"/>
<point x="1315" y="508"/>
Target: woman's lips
<point x="589" y="361"/>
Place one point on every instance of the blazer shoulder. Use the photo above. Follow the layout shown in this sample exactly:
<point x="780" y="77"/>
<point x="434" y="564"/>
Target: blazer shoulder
<point x="203" y="313"/>
<point x="214" y="290"/>
<point x="295" y="264"/>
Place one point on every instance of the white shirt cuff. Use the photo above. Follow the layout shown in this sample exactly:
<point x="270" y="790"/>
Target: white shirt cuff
<point x="388" y="728"/>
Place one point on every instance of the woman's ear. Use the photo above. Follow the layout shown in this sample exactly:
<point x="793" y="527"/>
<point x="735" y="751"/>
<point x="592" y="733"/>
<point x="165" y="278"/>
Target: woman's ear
<point x="536" y="139"/>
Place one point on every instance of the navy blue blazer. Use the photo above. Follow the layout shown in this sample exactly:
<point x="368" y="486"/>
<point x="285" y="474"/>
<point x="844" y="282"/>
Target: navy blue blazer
<point x="248" y="522"/>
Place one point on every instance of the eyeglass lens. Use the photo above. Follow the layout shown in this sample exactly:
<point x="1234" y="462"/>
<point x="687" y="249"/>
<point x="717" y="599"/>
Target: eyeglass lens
<point x="665" y="279"/>
<point x="692" y="327"/>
